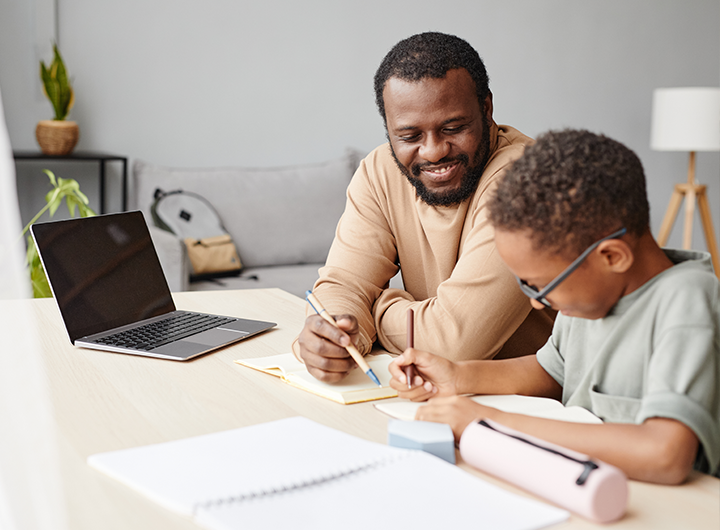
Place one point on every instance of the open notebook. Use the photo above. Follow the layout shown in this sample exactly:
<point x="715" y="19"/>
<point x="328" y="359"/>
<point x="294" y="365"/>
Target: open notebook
<point x="355" y="388"/>
<point x="298" y="474"/>
<point x="532" y="406"/>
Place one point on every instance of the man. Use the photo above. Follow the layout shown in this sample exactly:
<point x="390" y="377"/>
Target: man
<point x="418" y="204"/>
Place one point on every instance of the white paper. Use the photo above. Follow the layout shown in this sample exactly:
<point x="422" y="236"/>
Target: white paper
<point x="420" y="491"/>
<point x="532" y="406"/>
<point x="182" y="474"/>
<point x="296" y="473"/>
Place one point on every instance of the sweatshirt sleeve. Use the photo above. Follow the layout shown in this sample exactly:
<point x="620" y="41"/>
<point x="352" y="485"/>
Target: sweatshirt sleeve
<point x="361" y="261"/>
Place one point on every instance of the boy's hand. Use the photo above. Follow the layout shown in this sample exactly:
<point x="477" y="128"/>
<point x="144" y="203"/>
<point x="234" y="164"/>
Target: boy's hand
<point x="434" y="376"/>
<point x="456" y="411"/>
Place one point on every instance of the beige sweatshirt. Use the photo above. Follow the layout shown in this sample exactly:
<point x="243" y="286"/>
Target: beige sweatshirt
<point x="467" y="303"/>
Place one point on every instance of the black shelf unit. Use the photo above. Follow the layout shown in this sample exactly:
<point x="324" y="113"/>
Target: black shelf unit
<point x="85" y="156"/>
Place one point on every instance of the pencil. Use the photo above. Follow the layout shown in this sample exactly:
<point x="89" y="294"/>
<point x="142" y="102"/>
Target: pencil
<point x="352" y="350"/>
<point x="409" y="371"/>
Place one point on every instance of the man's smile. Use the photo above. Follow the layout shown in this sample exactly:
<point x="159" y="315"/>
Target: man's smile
<point x="440" y="173"/>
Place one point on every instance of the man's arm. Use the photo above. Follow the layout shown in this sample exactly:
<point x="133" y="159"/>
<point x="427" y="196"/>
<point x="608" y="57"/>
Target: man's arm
<point x="363" y="257"/>
<point x="659" y="450"/>
<point x="361" y="262"/>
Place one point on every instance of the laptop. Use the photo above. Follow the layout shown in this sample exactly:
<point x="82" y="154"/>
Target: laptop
<point x="112" y="294"/>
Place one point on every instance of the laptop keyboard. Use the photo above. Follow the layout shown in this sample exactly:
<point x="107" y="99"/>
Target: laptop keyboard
<point x="156" y="334"/>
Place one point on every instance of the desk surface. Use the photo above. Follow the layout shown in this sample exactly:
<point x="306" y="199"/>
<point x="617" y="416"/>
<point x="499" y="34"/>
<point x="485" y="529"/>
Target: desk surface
<point x="106" y="401"/>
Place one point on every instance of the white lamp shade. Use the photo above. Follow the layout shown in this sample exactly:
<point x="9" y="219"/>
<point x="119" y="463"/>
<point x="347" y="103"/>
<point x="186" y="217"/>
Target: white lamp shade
<point x="686" y="119"/>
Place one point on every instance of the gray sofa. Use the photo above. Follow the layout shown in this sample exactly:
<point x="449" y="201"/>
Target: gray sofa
<point x="282" y="219"/>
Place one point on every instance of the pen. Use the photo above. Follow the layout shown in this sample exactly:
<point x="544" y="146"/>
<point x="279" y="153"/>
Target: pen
<point x="409" y="371"/>
<point x="352" y="350"/>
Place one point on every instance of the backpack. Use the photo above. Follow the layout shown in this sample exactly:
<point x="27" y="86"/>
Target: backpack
<point x="192" y="218"/>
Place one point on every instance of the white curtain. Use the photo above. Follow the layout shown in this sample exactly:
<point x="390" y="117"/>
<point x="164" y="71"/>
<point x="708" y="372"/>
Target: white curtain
<point x="31" y="494"/>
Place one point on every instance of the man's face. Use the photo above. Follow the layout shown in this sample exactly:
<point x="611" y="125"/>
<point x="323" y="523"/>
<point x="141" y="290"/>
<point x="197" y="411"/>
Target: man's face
<point x="439" y="134"/>
<point x="589" y="292"/>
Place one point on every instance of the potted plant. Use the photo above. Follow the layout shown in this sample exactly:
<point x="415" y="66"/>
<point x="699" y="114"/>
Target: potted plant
<point x="69" y="190"/>
<point x="57" y="136"/>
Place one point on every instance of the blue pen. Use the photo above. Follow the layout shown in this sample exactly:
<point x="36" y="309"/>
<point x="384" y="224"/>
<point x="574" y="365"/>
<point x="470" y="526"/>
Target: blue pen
<point x="352" y="350"/>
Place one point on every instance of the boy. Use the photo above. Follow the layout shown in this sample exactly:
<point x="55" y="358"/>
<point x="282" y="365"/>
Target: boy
<point x="636" y="341"/>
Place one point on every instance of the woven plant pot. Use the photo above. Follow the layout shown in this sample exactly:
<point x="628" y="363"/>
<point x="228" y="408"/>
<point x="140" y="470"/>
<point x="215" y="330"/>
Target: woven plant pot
<point x="57" y="137"/>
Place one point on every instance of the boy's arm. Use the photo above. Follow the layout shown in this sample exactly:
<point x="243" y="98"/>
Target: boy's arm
<point x="437" y="376"/>
<point x="659" y="450"/>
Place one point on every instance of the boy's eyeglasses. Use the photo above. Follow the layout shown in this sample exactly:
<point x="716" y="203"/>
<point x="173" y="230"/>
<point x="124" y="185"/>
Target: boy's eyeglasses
<point x="532" y="291"/>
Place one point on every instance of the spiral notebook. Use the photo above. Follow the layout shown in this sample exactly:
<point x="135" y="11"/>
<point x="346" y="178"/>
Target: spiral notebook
<point x="298" y="474"/>
<point x="357" y="387"/>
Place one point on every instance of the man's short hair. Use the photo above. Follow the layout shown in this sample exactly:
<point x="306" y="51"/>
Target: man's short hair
<point x="430" y="55"/>
<point x="571" y="188"/>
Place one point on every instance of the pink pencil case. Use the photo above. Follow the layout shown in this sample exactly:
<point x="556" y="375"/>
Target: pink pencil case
<point x="590" y="488"/>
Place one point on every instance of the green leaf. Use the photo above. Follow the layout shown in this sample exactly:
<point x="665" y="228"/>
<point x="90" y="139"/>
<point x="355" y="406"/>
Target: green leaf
<point x="52" y="91"/>
<point x="38" y="279"/>
<point x="60" y="72"/>
<point x="86" y="211"/>
<point x="31" y="252"/>
<point x="57" y="85"/>
<point x="51" y="195"/>
<point x="45" y="76"/>
<point x="68" y="186"/>
<point x="40" y="286"/>
<point x="72" y="203"/>
<point x="51" y="176"/>
<point x="54" y="199"/>
<point x="64" y="91"/>
<point x="67" y="189"/>
<point x="82" y="196"/>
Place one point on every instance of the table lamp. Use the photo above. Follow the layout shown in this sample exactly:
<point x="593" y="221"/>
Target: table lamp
<point x="687" y="119"/>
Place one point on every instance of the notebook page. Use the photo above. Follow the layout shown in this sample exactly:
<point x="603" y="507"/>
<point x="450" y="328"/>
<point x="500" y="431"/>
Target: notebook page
<point x="278" y="365"/>
<point x="356" y="387"/>
<point x="355" y="381"/>
<point x="182" y="474"/>
<point x="418" y="491"/>
<point x="532" y="406"/>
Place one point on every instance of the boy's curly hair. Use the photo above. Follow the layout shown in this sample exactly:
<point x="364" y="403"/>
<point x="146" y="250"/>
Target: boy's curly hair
<point x="571" y="188"/>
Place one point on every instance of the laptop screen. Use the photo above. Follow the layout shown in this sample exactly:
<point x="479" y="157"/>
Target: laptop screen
<point x="103" y="271"/>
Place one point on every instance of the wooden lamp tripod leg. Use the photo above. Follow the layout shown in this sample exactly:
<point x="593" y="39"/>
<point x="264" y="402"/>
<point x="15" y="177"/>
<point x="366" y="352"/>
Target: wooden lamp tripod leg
<point x="690" y="195"/>
<point x="704" y="208"/>
<point x="691" y="191"/>
<point x="670" y="215"/>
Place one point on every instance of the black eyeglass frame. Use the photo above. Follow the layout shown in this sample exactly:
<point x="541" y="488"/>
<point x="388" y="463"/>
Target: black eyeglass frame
<point x="533" y="293"/>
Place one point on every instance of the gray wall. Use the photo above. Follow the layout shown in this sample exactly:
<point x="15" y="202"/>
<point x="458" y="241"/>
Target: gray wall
<point x="223" y="82"/>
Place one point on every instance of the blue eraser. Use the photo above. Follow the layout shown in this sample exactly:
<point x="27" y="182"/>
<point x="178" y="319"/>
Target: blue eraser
<point x="434" y="438"/>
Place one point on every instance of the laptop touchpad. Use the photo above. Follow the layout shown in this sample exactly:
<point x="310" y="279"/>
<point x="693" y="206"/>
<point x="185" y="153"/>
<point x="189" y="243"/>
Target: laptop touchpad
<point x="214" y="337"/>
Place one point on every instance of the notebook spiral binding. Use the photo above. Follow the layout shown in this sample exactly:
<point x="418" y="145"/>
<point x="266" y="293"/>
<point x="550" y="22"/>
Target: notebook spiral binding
<point x="307" y="483"/>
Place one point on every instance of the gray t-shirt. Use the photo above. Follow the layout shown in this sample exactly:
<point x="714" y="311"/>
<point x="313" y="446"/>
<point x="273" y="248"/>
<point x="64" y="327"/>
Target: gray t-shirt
<point x="655" y="354"/>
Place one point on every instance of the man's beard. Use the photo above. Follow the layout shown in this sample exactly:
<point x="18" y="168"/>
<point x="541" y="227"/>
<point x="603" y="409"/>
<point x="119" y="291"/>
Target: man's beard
<point x="469" y="181"/>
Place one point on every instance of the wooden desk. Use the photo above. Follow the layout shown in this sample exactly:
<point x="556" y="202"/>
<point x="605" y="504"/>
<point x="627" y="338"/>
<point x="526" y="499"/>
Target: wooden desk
<point x="106" y="401"/>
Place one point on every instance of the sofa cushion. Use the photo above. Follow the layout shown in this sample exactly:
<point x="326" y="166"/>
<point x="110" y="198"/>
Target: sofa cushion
<point x="277" y="216"/>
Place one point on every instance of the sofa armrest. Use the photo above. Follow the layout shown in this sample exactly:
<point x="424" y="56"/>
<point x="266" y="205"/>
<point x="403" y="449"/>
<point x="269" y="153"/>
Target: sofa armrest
<point x="173" y="258"/>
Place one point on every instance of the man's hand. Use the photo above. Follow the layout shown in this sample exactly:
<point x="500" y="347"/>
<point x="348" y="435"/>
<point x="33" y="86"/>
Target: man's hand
<point x="434" y="376"/>
<point x="322" y="347"/>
